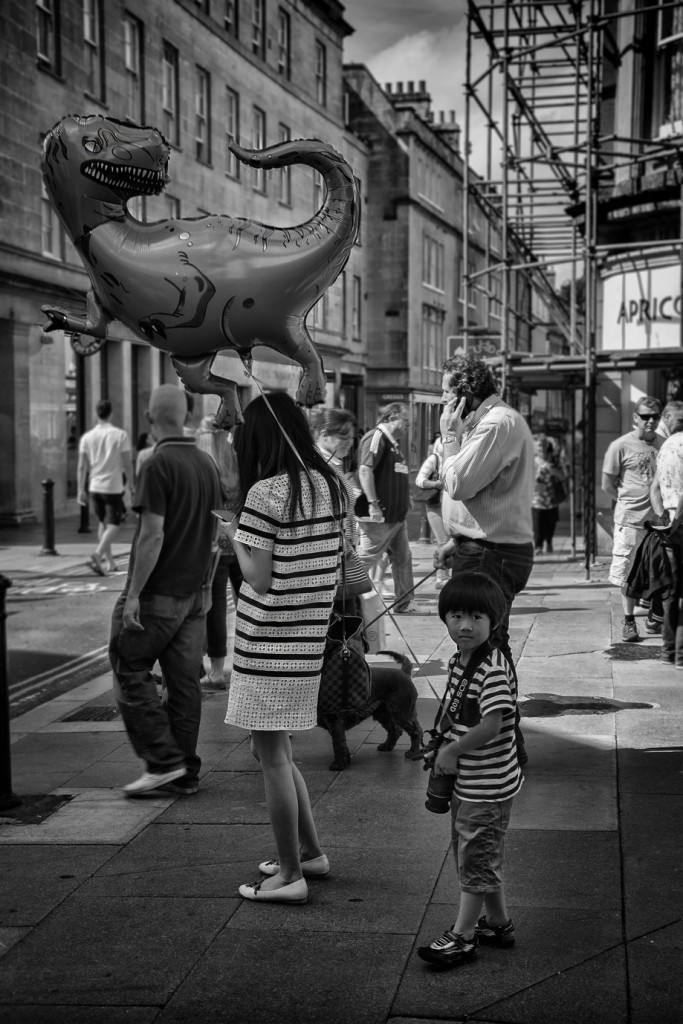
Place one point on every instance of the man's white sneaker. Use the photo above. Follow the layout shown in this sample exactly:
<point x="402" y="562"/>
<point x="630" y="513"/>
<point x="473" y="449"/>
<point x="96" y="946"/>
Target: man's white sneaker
<point x="152" y="780"/>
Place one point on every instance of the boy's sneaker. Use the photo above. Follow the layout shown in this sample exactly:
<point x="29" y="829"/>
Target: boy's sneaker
<point x="449" y="950"/>
<point x="629" y="632"/>
<point x="495" y="935"/>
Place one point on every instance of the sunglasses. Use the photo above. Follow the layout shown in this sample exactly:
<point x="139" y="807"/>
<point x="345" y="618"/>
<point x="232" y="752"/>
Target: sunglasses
<point x="648" y="415"/>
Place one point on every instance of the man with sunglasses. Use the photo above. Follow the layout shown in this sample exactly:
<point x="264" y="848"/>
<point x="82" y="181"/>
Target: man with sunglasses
<point x="627" y="473"/>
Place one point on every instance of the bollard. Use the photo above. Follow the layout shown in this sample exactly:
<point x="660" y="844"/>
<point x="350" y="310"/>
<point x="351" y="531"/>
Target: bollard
<point x="84" y="526"/>
<point x="7" y="797"/>
<point x="48" y="547"/>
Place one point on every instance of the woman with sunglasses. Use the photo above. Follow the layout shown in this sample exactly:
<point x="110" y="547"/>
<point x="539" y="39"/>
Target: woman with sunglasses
<point x="287" y="542"/>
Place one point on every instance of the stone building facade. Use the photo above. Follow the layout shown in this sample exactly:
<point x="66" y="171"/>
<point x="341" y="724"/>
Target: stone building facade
<point x="199" y="71"/>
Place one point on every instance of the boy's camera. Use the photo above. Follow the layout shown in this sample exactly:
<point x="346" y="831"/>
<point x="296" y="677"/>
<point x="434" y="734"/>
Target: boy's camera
<point x="439" y="787"/>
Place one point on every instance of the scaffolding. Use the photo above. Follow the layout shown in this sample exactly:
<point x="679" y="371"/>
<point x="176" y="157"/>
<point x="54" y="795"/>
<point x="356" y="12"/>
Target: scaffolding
<point x="535" y="78"/>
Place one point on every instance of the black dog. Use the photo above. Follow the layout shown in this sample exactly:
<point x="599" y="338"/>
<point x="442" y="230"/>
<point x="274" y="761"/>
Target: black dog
<point x="392" y="703"/>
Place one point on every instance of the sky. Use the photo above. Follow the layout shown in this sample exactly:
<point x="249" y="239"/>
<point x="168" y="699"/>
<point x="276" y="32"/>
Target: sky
<point x="412" y="40"/>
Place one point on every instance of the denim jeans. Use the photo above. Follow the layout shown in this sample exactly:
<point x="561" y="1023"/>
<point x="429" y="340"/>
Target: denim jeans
<point x="672" y="624"/>
<point x="509" y="565"/>
<point x="375" y="539"/>
<point x="162" y="734"/>
<point x="216" y="618"/>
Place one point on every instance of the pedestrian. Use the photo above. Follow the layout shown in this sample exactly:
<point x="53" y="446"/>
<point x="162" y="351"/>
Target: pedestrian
<point x="549" y="492"/>
<point x="104" y="466"/>
<point x="480" y="756"/>
<point x="429" y="479"/>
<point x="671" y="419"/>
<point x="488" y="475"/>
<point x="385" y="502"/>
<point x="667" y="501"/>
<point x="219" y="445"/>
<point x="628" y="471"/>
<point x="160" y="615"/>
<point x="288" y="542"/>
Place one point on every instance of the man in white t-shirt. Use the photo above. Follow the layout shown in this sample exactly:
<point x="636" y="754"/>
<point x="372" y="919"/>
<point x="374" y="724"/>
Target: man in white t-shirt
<point x="627" y="474"/>
<point x="103" y="459"/>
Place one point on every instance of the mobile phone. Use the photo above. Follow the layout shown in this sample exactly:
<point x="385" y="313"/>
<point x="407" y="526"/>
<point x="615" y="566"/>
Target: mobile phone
<point x="223" y="514"/>
<point x="467" y="408"/>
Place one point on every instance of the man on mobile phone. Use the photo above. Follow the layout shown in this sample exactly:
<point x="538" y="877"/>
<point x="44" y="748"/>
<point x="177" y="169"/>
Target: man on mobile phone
<point x="488" y="477"/>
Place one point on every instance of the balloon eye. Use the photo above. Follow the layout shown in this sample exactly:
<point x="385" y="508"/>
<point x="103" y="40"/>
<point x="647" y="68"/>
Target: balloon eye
<point x="92" y="145"/>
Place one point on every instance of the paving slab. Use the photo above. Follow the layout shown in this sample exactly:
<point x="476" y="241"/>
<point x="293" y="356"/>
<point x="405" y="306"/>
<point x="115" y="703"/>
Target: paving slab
<point x="652" y="770"/>
<point x="654" y="963"/>
<point x="547" y="869"/>
<point x="546" y="802"/>
<point x="34" y="884"/>
<point x="651" y="829"/>
<point x="99" y="816"/>
<point x="112" y="951"/>
<point x="550" y="942"/>
<point x="310" y="982"/>
<point x="60" y="1014"/>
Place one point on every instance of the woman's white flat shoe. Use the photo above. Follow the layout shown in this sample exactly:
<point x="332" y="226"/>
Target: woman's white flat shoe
<point x="316" y="867"/>
<point x="295" y="892"/>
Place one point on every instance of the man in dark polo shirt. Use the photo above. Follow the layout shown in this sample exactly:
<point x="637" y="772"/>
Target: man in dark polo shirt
<point x="160" y="616"/>
<point x="384" y="504"/>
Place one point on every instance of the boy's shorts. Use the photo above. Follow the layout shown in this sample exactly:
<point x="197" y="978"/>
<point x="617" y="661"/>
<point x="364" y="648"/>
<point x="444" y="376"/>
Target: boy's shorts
<point x="479" y="843"/>
<point x="624" y="544"/>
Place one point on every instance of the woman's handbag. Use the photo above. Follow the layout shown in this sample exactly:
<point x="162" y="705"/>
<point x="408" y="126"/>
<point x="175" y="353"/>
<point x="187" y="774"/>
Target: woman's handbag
<point x="355" y="577"/>
<point x="425" y="493"/>
<point x="345" y="677"/>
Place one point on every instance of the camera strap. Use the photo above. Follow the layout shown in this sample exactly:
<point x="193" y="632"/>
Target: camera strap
<point x="449" y="709"/>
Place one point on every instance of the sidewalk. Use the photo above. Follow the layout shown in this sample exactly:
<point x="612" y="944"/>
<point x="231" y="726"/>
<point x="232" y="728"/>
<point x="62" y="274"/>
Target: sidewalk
<point x="116" y="910"/>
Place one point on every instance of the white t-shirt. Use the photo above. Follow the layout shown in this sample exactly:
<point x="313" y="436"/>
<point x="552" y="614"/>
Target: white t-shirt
<point x="670" y="471"/>
<point x="104" y="447"/>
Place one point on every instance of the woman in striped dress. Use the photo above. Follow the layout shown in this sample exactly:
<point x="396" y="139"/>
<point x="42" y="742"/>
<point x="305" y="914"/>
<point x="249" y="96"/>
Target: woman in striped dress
<point x="288" y="543"/>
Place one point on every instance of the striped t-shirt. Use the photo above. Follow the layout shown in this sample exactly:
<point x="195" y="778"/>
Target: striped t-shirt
<point x="491" y="772"/>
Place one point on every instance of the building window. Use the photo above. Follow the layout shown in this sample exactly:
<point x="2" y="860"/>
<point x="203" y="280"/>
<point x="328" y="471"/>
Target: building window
<point x="133" y="61"/>
<point x="258" y="27"/>
<point x="432" y="263"/>
<point x="318" y="191"/>
<point x="496" y="295"/>
<point x="94" y="48"/>
<point x="232" y="131"/>
<point x="259" y="142"/>
<point x="170" y="99"/>
<point x="283" y="36"/>
<point x="667" y="81"/>
<point x="432" y="337"/>
<point x="321" y="74"/>
<point x="172" y="207"/>
<point x="321" y="312"/>
<point x="52" y="233"/>
<point x="47" y="34"/>
<point x="136" y="207"/>
<point x="470" y="286"/>
<point x="342" y="287"/>
<point x="285" y="196"/>
<point x="230" y="16"/>
<point x="202" y="118"/>
<point x="356" y="317"/>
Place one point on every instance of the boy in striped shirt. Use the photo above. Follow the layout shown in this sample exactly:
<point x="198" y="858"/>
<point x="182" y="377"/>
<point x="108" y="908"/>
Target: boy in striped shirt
<point x="478" y="724"/>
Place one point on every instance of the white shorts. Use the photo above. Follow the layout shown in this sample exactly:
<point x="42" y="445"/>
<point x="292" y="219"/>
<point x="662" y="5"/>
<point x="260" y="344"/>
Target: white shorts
<point x="624" y="545"/>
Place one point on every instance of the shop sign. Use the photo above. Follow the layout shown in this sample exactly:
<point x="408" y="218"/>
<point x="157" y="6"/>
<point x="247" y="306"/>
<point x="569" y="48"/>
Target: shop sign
<point x="641" y="309"/>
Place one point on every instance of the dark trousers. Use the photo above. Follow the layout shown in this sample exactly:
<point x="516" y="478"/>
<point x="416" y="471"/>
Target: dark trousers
<point x="163" y="733"/>
<point x="227" y="570"/>
<point x="672" y="623"/>
<point x="545" y="521"/>
<point x="510" y="566"/>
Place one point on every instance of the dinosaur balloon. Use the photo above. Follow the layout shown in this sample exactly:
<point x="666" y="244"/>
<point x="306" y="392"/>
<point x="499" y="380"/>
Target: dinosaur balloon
<point x="194" y="287"/>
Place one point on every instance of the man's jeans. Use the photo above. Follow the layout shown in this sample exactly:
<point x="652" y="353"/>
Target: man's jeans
<point x="375" y="539"/>
<point x="672" y="624"/>
<point x="163" y="734"/>
<point x="509" y="565"/>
